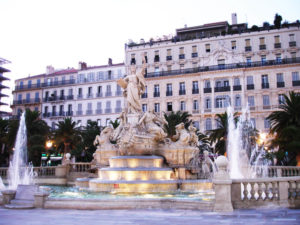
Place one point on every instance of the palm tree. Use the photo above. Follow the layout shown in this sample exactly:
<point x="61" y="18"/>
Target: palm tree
<point x="67" y="135"/>
<point x="115" y="123"/>
<point x="175" y="118"/>
<point x="285" y="126"/>
<point x="219" y="135"/>
<point x="4" y="154"/>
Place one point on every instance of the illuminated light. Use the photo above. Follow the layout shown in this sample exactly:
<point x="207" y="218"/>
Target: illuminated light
<point x="49" y="144"/>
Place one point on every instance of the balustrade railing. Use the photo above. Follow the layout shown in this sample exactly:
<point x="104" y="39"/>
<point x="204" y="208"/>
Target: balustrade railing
<point x="80" y="167"/>
<point x="48" y="171"/>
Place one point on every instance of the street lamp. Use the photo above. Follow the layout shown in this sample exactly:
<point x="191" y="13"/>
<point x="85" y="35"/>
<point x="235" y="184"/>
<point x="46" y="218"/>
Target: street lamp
<point x="49" y="144"/>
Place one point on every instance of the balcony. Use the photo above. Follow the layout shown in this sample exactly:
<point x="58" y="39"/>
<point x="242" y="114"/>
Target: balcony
<point x="51" y="99"/>
<point x="222" y="89"/>
<point x="262" y="47"/>
<point x="169" y="93"/>
<point x="99" y="111"/>
<point x="70" y="97"/>
<point x="296" y="82"/>
<point x="194" y="55"/>
<point x="99" y="94"/>
<point x="292" y="43"/>
<point x="118" y="110"/>
<point x="118" y="93"/>
<point x="79" y="113"/>
<point x="182" y="92"/>
<point x="58" y="83"/>
<point x="280" y="84"/>
<point x="144" y="95"/>
<point x="181" y="56"/>
<point x="277" y="45"/>
<point x="195" y="91"/>
<point x="27" y="87"/>
<point x="80" y="96"/>
<point x="195" y="111"/>
<point x="62" y="97"/>
<point x="156" y="94"/>
<point x="108" y="94"/>
<point x="250" y="86"/>
<point x="248" y="49"/>
<point x="207" y="90"/>
<point x="89" y="112"/>
<point x="89" y="95"/>
<point x="54" y="114"/>
<point x="108" y="110"/>
<point x="46" y="115"/>
<point x="69" y="113"/>
<point x="265" y="85"/>
<point x="27" y="101"/>
<point x="169" y="57"/>
<point x="237" y="87"/>
<point x="240" y="65"/>
<point x="266" y="107"/>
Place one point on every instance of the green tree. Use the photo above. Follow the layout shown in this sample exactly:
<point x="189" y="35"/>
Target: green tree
<point x="4" y="150"/>
<point x="285" y="126"/>
<point x="85" y="150"/>
<point x="277" y="21"/>
<point x="67" y="135"/>
<point x="175" y="118"/>
<point x="218" y="136"/>
<point x="115" y="123"/>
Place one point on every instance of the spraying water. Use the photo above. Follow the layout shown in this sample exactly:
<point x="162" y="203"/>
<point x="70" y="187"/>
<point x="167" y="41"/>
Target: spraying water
<point x="2" y="187"/>
<point x="19" y="172"/>
<point x="246" y="159"/>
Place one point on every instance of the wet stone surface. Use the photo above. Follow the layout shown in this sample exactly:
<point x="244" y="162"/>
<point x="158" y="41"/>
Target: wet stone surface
<point x="46" y="216"/>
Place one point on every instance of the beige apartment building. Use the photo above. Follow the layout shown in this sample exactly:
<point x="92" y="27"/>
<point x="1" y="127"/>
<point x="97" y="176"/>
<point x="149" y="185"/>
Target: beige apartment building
<point x="86" y="93"/>
<point x="206" y="68"/>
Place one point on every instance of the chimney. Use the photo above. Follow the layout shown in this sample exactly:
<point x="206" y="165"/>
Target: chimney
<point x="110" y="62"/>
<point x="233" y="18"/>
<point x="49" y="69"/>
<point x="82" y="66"/>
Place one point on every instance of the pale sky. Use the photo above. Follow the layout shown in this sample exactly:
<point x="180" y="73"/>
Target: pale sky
<point x="37" y="33"/>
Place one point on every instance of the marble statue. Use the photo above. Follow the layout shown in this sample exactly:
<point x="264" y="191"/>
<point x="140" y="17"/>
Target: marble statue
<point x="182" y="135"/>
<point x="153" y="124"/>
<point x="193" y="135"/>
<point x="103" y="140"/>
<point x="134" y="86"/>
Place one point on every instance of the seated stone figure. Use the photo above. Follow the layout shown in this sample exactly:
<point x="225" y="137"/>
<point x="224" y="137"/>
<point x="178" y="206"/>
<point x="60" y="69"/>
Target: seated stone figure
<point x="102" y="141"/>
<point x="182" y="135"/>
<point x="193" y="135"/>
<point x="152" y="124"/>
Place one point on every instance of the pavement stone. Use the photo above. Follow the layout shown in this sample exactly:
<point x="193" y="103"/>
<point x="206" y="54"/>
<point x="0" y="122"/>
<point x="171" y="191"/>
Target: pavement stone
<point x="141" y="217"/>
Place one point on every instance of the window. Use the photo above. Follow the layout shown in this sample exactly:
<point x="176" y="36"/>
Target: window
<point x="118" y="106"/>
<point x="221" y="63"/>
<point x="79" y="109"/>
<point x="207" y="84"/>
<point x="169" y="55"/>
<point x="181" y="67"/>
<point x="157" y="107"/>
<point x="293" y="55"/>
<point x="279" y="77"/>
<point x="156" y="90"/>
<point x="107" y="121"/>
<point x="251" y="102"/>
<point x="237" y="101"/>
<point x="182" y="106"/>
<point x="249" y="80"/>
<point x="281" y="99"/>
<point x="207" y="47"/>
<point x="295" y="76"/>
<point x="119" y="90"/>
<point x="70" y="109"/>
<point x="90" y="90"/>
<point x="181" y="53"/>
<point x="278" y="58"/>
<point x="207" y="103"/>
<point x="108" y="90"/>
<point x="261" y="41"/>
<point x="145" y="94"/>
<point x="38" y="83"/>
<point x="264" y="79"/>
<point x="156" y="56"/>
<point x="195" y="105"/>
<point x="169" y="106"/>
<point x="37" y="96"/>
<point x="79" y="92"/>
<point x="236" y="81"/>
<point x="29" y="83"/>
<point x="266" y="100"/>
<point x="222" y="101"/>
<point x="263" y="59"/>
<point x="56" y="81"/>
<point x="90" y="77"/>
<point x="276" y="39"/>
<point x="119" y="73"/>
<point x="195" y="87"/>
<point x="196" y="124"/>
<point x="99" y="91"/>
<point x="248" y="61"/>
<point x="156" y="71"/>
<point x="169" y="68"/>
<point x="132" y="61"/>
<point x="194" y="51"/>
<point x="266" y="123"/>
<point x="292" y="37"/>
<point x="233" y="45"/>
<point x="169" y="90"/>
<point x="182" y="88"/>
<point x="208" y="124"/>
<point x="61" y="110"/>
<point x="99" y="122"/>
<point x="108" y="107"/>
<point x="100" y="76"/>
<point x="99" y="108"/>
<point x="144" y="107"/>
<point x="247" y="42"/>
<point x="27" y="97"/>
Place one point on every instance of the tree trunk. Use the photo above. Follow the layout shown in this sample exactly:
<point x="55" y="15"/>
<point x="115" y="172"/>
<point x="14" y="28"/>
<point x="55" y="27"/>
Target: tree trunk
<point x="298" y="159"/>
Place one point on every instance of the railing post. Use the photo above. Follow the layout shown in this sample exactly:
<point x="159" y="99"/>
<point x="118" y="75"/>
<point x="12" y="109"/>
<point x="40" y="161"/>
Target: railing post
<point x="283" y="191"/>
<point x="279" y="172"/>
<point x="222" y="185"/>
<point x="61" y="171"/>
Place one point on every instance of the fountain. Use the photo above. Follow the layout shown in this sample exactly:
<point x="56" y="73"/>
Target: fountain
<point x="245" y="158"/>
<point x="19" y="172"/>
<point x="143" y="158"/>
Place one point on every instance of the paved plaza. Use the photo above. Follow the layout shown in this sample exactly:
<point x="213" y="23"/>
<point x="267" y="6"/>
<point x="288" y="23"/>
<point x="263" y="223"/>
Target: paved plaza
<point x="188" y="217"/>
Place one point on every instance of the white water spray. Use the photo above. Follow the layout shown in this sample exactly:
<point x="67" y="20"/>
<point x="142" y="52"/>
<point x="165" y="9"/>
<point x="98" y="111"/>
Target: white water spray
<point x="19" y="172"/>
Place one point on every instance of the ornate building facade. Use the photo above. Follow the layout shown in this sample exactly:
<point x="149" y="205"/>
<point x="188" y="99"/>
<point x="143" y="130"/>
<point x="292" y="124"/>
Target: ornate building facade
<point x="206" y="68"/>
<point x="86" y="93"/>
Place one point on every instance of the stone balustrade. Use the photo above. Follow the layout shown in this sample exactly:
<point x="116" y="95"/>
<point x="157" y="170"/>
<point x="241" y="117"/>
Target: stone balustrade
<point x="80" y="167"/>
<point x="44" y="171"/>
<point x="283" y="171"/>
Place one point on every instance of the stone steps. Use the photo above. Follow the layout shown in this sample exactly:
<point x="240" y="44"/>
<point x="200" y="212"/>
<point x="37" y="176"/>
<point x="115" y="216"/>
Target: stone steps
<point x="20" y="204"/>
<point x="136" y="161"/>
